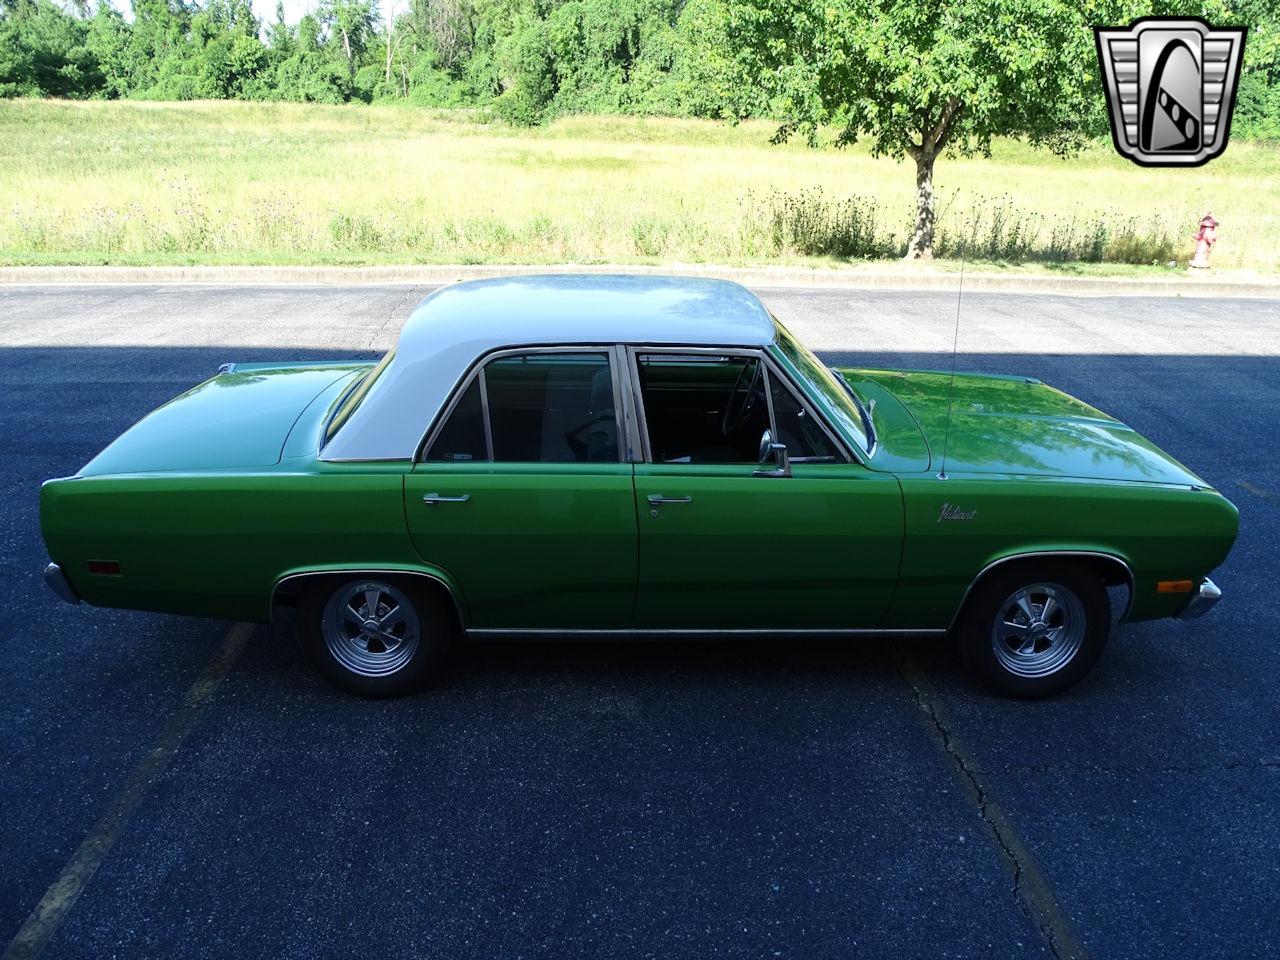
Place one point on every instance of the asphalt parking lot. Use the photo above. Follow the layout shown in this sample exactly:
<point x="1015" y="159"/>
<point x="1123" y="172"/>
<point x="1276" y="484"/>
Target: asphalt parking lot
<point x="173" y="788"/>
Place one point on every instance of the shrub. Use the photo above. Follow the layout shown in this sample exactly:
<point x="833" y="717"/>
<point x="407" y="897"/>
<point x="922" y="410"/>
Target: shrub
<point x="650" y="235"/>
<point x="808" y="223"/>
<point x="997" y="229"/>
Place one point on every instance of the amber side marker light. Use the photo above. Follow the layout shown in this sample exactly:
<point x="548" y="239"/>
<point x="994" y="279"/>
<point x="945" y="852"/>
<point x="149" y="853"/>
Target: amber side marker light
<point x="106" y="568"/>
<point x="1174" y="586"/>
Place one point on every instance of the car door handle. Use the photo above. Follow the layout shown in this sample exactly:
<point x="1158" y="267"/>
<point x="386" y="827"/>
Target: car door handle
<point x="437" y="498"/>
<point x="656" y="498"/>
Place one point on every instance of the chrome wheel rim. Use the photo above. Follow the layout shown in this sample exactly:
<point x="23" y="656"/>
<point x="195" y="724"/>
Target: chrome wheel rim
<point x="371" y="628"/>
<point x="1038" y="630"/>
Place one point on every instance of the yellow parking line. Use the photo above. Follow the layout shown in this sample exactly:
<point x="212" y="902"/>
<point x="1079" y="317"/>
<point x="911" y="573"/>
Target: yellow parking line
<point x="58" y="900"/>
<point x="1031" y="887"/>
<point x="1255" y="490"/>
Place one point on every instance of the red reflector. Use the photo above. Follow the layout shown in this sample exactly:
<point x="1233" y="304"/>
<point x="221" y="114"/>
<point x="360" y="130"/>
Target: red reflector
<point x="110" y="568"/>
<point x="1174" y="586"/>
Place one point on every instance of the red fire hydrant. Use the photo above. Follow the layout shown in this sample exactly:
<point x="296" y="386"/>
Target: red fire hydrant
<point x="1205" y="238"/>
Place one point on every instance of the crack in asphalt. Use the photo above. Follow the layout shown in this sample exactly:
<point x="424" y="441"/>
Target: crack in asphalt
<point x="1031" y="890"/>
<point x="391" y="314"/>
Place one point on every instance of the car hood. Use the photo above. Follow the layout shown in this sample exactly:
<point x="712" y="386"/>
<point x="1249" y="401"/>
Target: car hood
<point x="1018" y="425"/>
<point x="240" y="418"/>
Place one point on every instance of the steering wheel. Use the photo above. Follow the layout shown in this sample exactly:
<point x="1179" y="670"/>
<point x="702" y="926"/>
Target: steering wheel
<point x="736" y="411"/>
<point x="593" y="438"/>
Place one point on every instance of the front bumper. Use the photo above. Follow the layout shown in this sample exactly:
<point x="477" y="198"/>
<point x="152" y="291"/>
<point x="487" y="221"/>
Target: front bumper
<point x="1202" y="600"/>
<point x="56" y="581"/>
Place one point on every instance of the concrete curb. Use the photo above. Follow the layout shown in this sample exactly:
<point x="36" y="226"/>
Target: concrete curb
<point x="853" y="278"/>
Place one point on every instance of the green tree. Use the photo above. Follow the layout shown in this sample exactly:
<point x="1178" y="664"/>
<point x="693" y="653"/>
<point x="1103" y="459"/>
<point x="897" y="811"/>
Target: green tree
<point x="919" y="79"/>
<point x="1258" y="102"/>
<point x="309" y="73"/>
<point x="44" y="51"/>
<point x="108" y="41"/>
<point x="526" y="79"/>
<point x="351" y="23"/>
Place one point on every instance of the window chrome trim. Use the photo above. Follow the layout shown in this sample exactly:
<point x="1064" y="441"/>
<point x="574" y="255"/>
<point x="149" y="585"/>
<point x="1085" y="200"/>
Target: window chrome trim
<point x="626" y="394"/>
<point x="767" y="377"/>
<point x="772" y="368"/>
<point x="327" y="433"/>
<point x="484" y="413"/>
<point x="775" y="350"/>
<point x="476" y="372"/>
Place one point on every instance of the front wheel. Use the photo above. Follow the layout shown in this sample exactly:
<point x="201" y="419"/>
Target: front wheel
<point x="375" y="637"/>
<point x="1036" y="629"/>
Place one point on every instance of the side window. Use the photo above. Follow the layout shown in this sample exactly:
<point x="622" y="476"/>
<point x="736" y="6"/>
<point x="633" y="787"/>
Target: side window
<point x="804" y="437"/>
<point x="703" y="408"/>
<point x="463" y="435"/>
<point x="541" y="408"/>
<point x="552" y="408"/>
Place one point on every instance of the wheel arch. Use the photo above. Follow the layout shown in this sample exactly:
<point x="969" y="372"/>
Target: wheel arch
<point x="290" y="585"/>
<point x="1113" y="569"/>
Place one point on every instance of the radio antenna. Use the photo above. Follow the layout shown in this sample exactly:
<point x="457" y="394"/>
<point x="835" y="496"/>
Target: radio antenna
<point x="951" y="389"/>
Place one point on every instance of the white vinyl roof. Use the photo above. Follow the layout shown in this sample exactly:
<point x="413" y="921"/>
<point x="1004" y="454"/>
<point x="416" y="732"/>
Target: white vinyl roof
<point x="455" y="326"/>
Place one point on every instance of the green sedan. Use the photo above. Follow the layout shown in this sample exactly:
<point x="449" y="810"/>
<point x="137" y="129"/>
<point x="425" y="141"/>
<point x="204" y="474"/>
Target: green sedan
<point x="599" y="456"/>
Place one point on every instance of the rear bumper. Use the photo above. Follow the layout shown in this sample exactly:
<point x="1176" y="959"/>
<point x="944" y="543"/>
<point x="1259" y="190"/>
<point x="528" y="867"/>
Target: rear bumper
<point x="1202" y="600"/>
<point x="56" y="581"/>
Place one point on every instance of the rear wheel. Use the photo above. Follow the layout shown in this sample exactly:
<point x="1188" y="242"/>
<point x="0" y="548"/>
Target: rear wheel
<point x="1035" y="629"/>
<point x="375" y="636"/>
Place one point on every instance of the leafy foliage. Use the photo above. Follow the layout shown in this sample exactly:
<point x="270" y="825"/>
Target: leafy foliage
<point x="917" y="80"/>
<point x="44" y="51"/>
<point x="883" y="69"/>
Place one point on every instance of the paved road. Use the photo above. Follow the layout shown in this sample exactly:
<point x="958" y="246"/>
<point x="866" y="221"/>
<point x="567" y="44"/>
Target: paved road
<point x="670" y="801"/>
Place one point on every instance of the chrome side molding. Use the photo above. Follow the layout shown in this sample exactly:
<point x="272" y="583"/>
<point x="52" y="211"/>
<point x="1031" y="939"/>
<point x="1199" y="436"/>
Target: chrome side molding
<point x="285" y="581"/>
<point x="1121" y="563"/>
<point x="695" y="633"/>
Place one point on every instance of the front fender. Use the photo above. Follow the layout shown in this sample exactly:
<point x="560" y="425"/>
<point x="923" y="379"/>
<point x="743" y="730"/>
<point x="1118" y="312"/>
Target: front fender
<point x="956" y="528"/>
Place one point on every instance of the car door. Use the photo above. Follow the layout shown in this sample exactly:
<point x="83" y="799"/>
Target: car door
<point x="524" y="498"/>
<point x="725" y="543"/>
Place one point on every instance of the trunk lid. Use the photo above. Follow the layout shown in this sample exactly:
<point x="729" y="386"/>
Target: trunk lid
<point x="239" y="418"/>
<point x="1018" y="425"/>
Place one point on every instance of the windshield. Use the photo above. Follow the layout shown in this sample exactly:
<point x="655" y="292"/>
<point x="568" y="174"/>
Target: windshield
<point x="838" y="399"/>
<point x="356" y="394"/>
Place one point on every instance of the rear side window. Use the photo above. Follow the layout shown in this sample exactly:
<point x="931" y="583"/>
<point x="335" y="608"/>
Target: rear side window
<point x="357" y="394"/>
<point x="534" y="408"/>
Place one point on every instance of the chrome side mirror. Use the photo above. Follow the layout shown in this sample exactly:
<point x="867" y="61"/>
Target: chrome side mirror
<point x="766" y="446"/>
<point x="775" y="454"/>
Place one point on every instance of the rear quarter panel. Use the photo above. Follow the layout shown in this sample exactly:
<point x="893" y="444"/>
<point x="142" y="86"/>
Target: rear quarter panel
<point x="215" y="544"/>
<point x="1162" y="533"/>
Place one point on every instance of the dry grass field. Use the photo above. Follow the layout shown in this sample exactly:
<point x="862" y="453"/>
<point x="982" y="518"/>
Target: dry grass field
<point x="226" y="182"/>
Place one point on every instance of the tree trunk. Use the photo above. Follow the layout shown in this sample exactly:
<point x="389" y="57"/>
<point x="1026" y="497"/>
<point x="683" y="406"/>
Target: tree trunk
<point x="921" y="246"/>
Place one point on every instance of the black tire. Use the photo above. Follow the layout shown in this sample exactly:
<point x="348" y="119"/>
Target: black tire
<point x="1020" y="669"/>
<point x="392" y="667"/>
